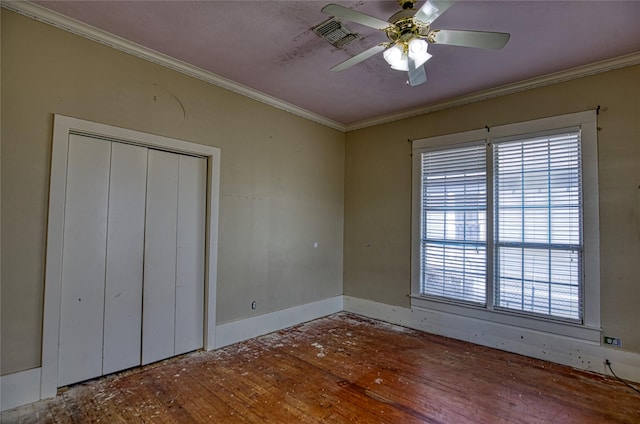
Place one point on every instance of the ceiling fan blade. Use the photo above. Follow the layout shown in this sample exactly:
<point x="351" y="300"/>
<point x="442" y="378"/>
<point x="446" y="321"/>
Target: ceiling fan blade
<point x="354" y="16"/>
<point x="430" y="10"/>
<point x="359" y="58"/>
<point x="479" y="39"/>
<point x="417" y="75"/>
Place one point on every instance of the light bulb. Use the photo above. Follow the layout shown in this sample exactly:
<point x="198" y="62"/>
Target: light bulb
<point x="396" y="57"/>
<point x="417" y="46"/>
<point x="418" y="51"/>
<point x="393" y="54"/>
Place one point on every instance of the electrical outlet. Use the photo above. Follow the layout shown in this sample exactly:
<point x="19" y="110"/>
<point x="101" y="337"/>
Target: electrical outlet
<point x="613" y="341"/>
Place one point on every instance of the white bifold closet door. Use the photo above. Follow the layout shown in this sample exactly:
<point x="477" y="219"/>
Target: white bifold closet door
<point x="133" y="257"/>
<point x="125" y="253"/>
<point x="84" y="258"/>
<point x="173" y="261"/>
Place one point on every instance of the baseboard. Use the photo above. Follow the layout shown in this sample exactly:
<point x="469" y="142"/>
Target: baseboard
<point x="245" y="329"/>
<point x="24" y="387"/>
<point x="19" y="388"/>
<point x="563" y="350"/>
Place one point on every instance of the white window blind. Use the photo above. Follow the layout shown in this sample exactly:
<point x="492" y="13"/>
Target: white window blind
<point x="453" y="233"/>
<point x="538" y="225"/>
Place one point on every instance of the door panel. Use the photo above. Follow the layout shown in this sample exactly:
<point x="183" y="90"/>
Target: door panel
<point x="133" y="257"/>
<point x="83" y="260"/>
<point x="159" y="297"/>
<point x="125" y="252"/>
<point x="190" y="255"/>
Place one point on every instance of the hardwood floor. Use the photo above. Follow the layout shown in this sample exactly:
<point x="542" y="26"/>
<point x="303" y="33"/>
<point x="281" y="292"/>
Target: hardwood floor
<point x="343" y="368"/>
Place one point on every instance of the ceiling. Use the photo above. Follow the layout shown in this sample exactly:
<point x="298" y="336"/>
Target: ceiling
<point x="269" y="46"/>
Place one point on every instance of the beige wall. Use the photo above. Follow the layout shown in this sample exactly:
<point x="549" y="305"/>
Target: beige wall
<point x="378" y="183"/>
<point x="282" y="183"/>
<point x="282" y="176"/>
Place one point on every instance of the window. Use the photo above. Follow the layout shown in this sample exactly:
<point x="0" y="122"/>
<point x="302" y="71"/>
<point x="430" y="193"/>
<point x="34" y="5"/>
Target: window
<point x="505" y="223"/>
<point x="453" y="242"/>
<point x="538" y="230"/>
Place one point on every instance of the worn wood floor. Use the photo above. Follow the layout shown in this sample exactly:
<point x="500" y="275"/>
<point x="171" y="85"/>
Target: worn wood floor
<point x="343" y="368"/>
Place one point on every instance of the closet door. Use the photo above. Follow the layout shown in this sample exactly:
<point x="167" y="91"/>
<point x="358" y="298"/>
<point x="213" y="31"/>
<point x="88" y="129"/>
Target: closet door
<point x="83" y="260"/>
<point x="190" y="254"/>
<point x="173" y="305"/>
<point x="125" y="253"/>
<point x="133" y="257"/>
<point x="159" y="293"/>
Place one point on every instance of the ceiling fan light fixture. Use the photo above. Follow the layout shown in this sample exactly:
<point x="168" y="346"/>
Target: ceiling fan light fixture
<point x="402" y="66"/>
<point x="418" y="51"/>
<point x="396" y="57"/>
<point x="409" y="34"/>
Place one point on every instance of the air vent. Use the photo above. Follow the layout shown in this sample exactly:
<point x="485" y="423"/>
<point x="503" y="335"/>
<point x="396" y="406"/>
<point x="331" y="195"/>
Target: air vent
<point x="335" y="33"/>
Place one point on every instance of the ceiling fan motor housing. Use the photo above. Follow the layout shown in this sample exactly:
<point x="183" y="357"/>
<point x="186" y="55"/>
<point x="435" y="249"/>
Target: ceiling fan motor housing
<point x="404" y="28"/>
<point x="407" y="4"/>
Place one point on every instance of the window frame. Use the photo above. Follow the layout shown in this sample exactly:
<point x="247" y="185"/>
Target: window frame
<point x="590" y="327"/>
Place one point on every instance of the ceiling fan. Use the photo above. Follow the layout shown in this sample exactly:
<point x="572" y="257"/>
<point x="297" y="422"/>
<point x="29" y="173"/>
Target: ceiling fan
<point x="409" y="33"/>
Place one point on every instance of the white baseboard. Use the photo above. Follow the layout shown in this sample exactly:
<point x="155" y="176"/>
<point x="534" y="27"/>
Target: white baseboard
<point x="19" y="388"/>
<point x="245" y="329"/>
<point x="563" y="350"/>
<point x="24" y="387"/>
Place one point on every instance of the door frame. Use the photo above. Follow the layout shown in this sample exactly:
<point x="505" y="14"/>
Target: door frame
<point x="63" y="127"/>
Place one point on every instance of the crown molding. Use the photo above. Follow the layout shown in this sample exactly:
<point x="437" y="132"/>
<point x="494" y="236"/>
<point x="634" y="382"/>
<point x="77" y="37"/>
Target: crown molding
<point x="65" y="23"/>
<point x="549" y="79"/>
<point x="73" y="26"/>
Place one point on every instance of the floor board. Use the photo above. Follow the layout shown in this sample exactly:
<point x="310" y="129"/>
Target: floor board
<point x="339" y="369"/>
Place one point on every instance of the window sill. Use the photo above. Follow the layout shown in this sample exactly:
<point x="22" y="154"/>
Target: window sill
<point x="573" y="330"/>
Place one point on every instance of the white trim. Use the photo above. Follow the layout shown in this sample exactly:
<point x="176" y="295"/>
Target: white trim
<point x="65" y="23"/>
<point x="563" y="350"/>
<point x="24" y="387"/>
<point x="500" y="316"/>
<point x="19" y="388"/>
<point x="63" y="126"/>
<point x="73" y="26"/>
<point x="516" y="87"/>
<point x="589" y="329"/>
<point x="245" y="329"/>
<point x="0" y="234"/>
<point x="451" y="140"/>
<point x="211" y="240"/>
<point x="32" y="385"/>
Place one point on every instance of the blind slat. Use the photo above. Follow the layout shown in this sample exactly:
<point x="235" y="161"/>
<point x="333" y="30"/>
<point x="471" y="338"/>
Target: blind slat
<point x="538" y="225"/>
<point x="453" y="249"/>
